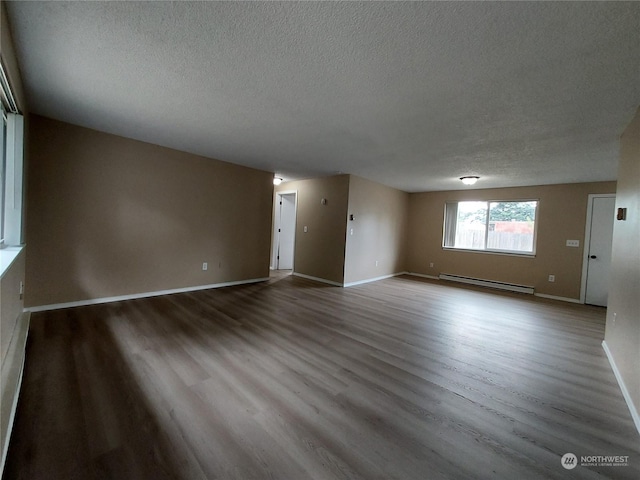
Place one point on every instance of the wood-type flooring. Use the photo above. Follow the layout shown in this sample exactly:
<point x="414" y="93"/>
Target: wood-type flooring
<point x="404" y="378"/>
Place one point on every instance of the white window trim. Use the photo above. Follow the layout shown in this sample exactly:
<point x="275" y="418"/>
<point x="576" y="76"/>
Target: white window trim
<point x="2" y="169"/>
<point x="7" y="257"/>
<point x="492" y="251"/>
<point x="14" y="181"/>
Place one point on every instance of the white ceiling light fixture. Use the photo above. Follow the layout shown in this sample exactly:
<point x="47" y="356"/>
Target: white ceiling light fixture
<point x="277" y="180"/>
<point x="470" y="179"/>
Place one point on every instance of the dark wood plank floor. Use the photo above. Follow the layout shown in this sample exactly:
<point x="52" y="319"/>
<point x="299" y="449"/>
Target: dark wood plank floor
<point x="290" y="379"/>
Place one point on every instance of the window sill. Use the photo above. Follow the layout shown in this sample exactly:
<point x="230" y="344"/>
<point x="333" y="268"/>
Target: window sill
<point x="490" y="252"/>
<point x="7" y="257"/>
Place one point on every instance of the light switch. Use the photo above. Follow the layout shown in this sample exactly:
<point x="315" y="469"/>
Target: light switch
<point x="573" y="243"/>
<point x="306" y="229"/>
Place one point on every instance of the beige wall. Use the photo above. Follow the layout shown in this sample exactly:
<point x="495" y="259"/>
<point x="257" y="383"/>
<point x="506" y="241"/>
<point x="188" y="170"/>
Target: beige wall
<point x="10" y="302"/>
<point x="12" y="305"/>
<point x="320" y="251"/>
<point x="13" y="323"/>
<point x="622" y="336"/>
<point x="13" y="332"/>
<point x="561" y="216"/>
<point x="110" y="216"/>
<point x="404" y="232"/>
<point x="379" y="230"/>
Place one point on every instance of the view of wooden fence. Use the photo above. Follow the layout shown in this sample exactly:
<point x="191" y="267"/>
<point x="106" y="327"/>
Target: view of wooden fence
<point x="508" y="241"/>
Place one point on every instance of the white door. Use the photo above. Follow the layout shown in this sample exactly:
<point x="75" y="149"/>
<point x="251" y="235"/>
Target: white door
<point x="598" y="250"/>
<point x="286" y="231"/>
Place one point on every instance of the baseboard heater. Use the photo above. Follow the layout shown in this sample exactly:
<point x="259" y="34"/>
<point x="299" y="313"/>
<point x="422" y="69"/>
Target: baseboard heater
<point x="487" y="283"/>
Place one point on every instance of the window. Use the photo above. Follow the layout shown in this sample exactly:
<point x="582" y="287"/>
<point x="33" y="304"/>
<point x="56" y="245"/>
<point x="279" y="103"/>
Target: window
<point x="3" y="172"/>
<point x="492" y="226"/>
<point x="11" y="169"/>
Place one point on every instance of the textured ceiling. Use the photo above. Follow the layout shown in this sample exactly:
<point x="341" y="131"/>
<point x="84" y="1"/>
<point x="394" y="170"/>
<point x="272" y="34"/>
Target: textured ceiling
<point x="412" y="95"/>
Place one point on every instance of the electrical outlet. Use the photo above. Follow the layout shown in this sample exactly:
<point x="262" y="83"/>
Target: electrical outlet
<point x="573" y="243"/>
<point x="305" y="229"/>
<point x="205" y="266"/>
<point x="431" y="265"/>
<point x="614" y="317"/>
<point x="377" y="263"/>
<point x="552" y="278"/>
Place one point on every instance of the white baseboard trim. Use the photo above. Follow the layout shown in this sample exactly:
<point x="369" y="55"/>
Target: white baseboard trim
<point x="375" y="279"/>
<point x="317" y="279"/>
<point x="119" y="298"/>
<point x="422" y="275"/>
<point x="625" y="393"/>
<point x="553" y="297"/>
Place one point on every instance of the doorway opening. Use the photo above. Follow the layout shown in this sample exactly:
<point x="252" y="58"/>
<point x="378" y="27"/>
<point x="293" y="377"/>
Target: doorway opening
<point x="284" y="231"/>
<point x="598" y="242"/>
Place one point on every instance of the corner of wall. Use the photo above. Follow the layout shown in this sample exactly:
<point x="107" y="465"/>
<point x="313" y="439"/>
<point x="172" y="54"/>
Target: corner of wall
<point x="320" y="226"/>
<point x="377" y="220"/>
<point x="622" y="334"/>
<point x="14" y="322"/>
<point x="14" y="327"/>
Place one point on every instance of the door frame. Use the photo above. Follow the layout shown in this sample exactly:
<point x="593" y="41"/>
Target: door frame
<point x="276" y="223"/>
<point x="587" y="241"/>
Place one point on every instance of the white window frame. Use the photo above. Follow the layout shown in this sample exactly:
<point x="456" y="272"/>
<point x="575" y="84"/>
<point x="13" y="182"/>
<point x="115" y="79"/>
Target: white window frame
<point x="14" y="180"/>
<point x="2" y="173"/>
<point x="446" y="232"/>
<point x="12" y="190"/>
